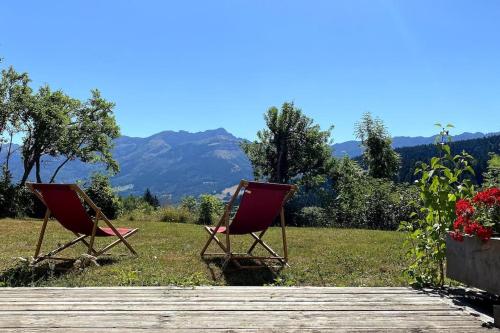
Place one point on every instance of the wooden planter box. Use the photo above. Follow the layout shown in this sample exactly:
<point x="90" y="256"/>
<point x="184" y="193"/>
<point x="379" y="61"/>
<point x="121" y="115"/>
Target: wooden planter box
<point x="476" y="264"/>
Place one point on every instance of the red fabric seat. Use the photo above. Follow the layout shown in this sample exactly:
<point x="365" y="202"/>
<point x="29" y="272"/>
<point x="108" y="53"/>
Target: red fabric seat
<point x="121" y="231"/>
<point x="221" y="230"/>
<point x="260" y="205"/>
<point x="65" y="205"/>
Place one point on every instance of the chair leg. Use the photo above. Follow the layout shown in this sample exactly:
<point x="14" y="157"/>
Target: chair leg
<point x="268" y="248"/>
<point x="256" y="242"/>
<point x="94" y="251"/>
<point x="92" y="237"/>
<point x="42" y="233"/>
<point x="60" y="248"/>
<point x="212" y="235"/>
<point x="283" y="234"/>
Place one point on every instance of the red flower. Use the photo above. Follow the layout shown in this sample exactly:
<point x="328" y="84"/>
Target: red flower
<point x="488" y="197"/>
<point x="463" y="207"/>
<point x="470" y="215"/>
<point x="470" y="228"/>
<point x="456" y="235"/>
<point x="484" y="233"/>
<point x="459" y="222"/>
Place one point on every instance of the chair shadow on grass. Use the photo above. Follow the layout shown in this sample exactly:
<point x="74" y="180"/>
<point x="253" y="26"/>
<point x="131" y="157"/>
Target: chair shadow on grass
<point x="258" y="275"/>
<point x="25" y="275"/>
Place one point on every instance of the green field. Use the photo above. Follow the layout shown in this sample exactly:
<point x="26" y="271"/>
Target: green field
<point x="169" y="255"/>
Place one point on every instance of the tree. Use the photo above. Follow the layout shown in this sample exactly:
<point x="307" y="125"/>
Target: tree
<point x="290" y="147"/>
<point x="46" y="120"/>
<point x="381" y="159"/>
<point x="151" y="199"/>
<point x="90" y="133"/>
<point x="14" y="95"/>
<point x="58" y="125"/>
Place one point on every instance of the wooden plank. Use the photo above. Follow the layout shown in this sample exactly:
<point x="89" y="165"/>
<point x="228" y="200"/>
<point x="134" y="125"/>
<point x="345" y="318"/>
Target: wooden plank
<point x="248" y="309"/>
<point x="203" y="319"/>
<point x="235" y="330"/>
<point x="193" y="306"/>
<point x="243" y="330"/>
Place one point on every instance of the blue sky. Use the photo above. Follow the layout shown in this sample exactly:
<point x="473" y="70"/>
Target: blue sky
<point x="197" y="65"/>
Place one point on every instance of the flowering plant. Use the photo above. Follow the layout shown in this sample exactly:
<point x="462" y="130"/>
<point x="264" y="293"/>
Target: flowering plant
<point x="479" y="216"/>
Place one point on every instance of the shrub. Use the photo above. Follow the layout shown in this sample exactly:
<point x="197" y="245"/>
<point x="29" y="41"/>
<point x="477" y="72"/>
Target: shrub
<point x="357" y="200"/>
<point x="312" y="217"/>
<point x="175" y="214"/>
<point x="131" y="203"/>
<point x="492" y="174"/>
<point x="102" y="194"/>
<point x="15" y="201"/>
<point x="7" y="193"/>
<point x="136" y="209"/>
<point x="189" y="203"/>
<point x="210" y="209"/>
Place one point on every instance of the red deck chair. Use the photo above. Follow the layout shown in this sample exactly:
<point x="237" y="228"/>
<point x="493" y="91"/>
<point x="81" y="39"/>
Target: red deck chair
<point x="260" y="205"/>
<point x="63" y="202"/>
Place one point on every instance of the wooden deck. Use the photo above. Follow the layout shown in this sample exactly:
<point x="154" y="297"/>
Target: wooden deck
<point x="229" y="309"/>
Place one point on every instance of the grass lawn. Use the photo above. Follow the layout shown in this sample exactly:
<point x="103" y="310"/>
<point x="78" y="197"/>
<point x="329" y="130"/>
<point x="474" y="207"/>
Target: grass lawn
<point x="169" y="255"/>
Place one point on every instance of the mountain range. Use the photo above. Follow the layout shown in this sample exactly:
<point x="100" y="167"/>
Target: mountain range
<point x="174" y="164"/>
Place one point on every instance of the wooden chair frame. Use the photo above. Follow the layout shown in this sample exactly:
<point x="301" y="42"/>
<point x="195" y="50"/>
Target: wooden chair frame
<point x="234" y="257"/>
<point x="80" y="237"/>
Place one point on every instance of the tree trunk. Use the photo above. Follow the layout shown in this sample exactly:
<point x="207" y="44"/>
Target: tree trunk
<point x="282" y="172"/>
<point x="53" y="178"/>
<point x="27" y="170"/>
<point x="9" y="152"/>
<point x="37" y="171"/>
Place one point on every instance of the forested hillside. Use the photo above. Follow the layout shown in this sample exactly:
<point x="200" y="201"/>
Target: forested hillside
<point x="478" y="148"/>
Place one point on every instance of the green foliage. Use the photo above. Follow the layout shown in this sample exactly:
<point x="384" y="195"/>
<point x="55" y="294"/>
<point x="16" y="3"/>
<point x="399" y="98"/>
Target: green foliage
<point x="381" y="159"/>
<point x="347" y="205"/>
<point x="102" y="194"/>
<point x="441" y="184"/>
<point x="14" y="201"/>
<point x="210" y="209"/>
<point x="135" y="208"/>
<point x="492" y="174"/>
<point x="151" y="199"/>
<point x="176" y="215"/>
<point x="8" y="207"/>
<point x="45" y="120"/>
<point x="361" y="201"/>
<point x="15" y="94"/>
<point x="291" y="146"/>
<point x="189" y="203"/>
<point x="312" y="216"/>
<point x="51" y="123"/>
<point x="90" y="133"/>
